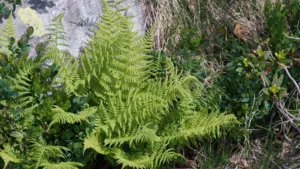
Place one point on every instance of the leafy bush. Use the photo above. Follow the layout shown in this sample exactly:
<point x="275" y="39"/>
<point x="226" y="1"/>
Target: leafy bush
<point x="240" y="79"/>
<point x="248" y="74"/>
<point x="115" y="100"/>
<point x="26" y="105"/>
<point x="8" y="5"/>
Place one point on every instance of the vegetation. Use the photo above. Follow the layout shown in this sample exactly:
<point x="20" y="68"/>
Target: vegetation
<point x="246" y="50"/>
<point x="220" y="89"/>
<point x="136" y="110"/>
<point x="8" y="5"/>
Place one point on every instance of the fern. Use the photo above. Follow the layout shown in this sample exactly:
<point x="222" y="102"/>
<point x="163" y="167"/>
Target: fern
<point x="41" y="153"/>
<point x="22" y="83"/>
<point x="61" y="165"/>
<point x="6" y="33"/>
<point x="92" y="141"/>
<point x="28" y="113"/>
<point x="55" y="48"/>
<point x="57" y="32"/>
<point x="63" y="117"/>
<point x="134" y="160"/>
<point x="141" y="103"/>
<point x="113" y="56"/>
<point x="161" y="156"/>
<point x="141" y="110"/>
<point x="8" y="155"/>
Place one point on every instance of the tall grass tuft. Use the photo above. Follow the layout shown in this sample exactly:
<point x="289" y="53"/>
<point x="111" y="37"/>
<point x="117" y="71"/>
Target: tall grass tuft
<point x="243" y="17"/>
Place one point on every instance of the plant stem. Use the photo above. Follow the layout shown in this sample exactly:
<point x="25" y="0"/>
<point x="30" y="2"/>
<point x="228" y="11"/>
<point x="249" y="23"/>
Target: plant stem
<point x="292" y="79"/>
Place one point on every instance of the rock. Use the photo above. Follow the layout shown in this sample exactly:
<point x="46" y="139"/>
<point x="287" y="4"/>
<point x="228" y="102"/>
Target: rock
<point x="79" y="18"/>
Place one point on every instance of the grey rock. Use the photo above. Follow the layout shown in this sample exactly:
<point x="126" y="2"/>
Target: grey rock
<point x="79" y="18"/>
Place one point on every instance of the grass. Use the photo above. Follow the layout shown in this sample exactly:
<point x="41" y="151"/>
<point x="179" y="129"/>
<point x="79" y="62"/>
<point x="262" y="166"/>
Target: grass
<point x="207" y="16"/>
<point x="215" y="155"/>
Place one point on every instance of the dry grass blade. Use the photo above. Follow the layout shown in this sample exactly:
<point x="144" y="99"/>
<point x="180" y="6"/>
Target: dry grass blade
<point x="172" y="16"/>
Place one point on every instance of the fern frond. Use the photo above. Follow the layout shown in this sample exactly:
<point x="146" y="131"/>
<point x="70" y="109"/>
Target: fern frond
<point x="52" y="54"/>
<point x="140" y="104"/>
<point x="56" y="43"/>
<point x="22" y="102"/>
<point x="68" y="76"/>
<point x="114" y="59"/>
<point x="7" y="32"/>
<point x="92" y="141"/>
<point x="63" y="117"/>
<point x="164" y="156"/>
<point x="28" y="111"/>
<point x="8" y="155"/>
<point x="61" y="165"/>
<point x="148" y="40"/>
<point x="57" y="32"/>
<point x="133" y="112"/>
<point x="199" y="125"/>
<point x="41" y="153"/>
<point x="134" y="160"/>
<point x="21" y="81"/>
<point x="142" y="135"/>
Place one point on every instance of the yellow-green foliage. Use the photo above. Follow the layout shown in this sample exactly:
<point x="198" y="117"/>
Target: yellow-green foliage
<point x="63" y="117"/>
<point x="7" y="32"/>
<point x="40" y="155"/>
<point x="8" y="155"/>
<point x="23" y="118"/>
<point x="57" y="31"/>
<point x="137" y="107"/>
<point x="139" y="112"/>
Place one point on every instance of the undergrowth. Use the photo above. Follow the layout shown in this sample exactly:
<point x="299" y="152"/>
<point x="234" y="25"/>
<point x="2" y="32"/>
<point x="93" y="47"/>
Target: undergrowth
<point x="220" y="89"/>
<point x="114" y="102"/>
<point x="247" y="52"/>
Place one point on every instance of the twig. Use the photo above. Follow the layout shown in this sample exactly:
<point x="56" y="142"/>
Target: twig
<point x="271" y="53"/>
<point x="262" y="78"/>
<point x="286" y="114"/>
<point x="290" y="37"/>
<point x="292" y="79"/>
<point x="286" y="137"/>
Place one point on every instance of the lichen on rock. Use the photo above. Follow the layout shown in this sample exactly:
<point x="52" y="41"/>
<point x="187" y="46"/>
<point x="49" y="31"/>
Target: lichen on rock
<point x="31" y="18"/>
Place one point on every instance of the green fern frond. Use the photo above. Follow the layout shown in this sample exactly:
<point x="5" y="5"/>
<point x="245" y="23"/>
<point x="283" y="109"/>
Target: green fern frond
<point x="57" y="32"/>
<point x="41" y="153"/>
<point x="52" y="54"/>
<point x="114" y="59"/>
<point x="21" y="81"/>
<point x="7" y="32"/>
<point x="22" y="102"/>
<point x="28" y="111"/>
<point x="142" y="135"/>
<point x="164" y="156"/>
<point x="205" y="123"/>
<point x="140" y="104"/>
<point x="61" y="165"/>
<point x="134" y="160"/>
<point x="63" y="117"/>
<point x="8" y="155"/>
<point x="133" y="112"/>
<point x="68" y="75"/>
<point x="148" y="40"/>
<point x="92" y="141"/>
<point x="199" y="124"/>
<point x="55" y="45"/>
